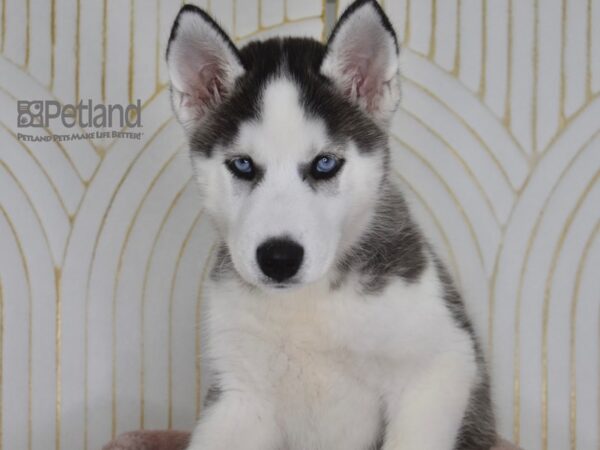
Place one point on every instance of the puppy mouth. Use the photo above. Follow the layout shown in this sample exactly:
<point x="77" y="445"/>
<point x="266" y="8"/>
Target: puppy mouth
<point x="282" y="286"/>
<point x="271" y="284"/>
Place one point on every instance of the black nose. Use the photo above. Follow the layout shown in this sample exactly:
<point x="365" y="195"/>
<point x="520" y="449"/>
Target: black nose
<point x="279" y="258"/>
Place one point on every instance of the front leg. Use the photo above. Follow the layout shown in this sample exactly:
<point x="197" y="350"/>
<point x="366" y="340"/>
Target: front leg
<point x="426" y="414"/>
<point x="236" y="421"/>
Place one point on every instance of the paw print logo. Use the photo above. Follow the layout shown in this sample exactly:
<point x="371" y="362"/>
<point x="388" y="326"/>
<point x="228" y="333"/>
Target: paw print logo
<point x="29" y="113"/>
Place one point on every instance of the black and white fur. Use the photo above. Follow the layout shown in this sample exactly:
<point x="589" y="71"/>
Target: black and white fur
<point x="367" y="345"/>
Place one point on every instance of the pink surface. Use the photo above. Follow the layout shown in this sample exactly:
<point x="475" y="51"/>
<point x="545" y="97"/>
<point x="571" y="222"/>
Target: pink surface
<point x="177" y="440"/>
<point x="150" y="440"/>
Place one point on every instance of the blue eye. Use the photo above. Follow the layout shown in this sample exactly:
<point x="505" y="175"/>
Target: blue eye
<point x="325" y="166"/>
<point x="241" y="167"/>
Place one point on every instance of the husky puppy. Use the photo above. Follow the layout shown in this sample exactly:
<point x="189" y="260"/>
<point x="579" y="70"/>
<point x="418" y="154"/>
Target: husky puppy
<point x="330" y="323"/>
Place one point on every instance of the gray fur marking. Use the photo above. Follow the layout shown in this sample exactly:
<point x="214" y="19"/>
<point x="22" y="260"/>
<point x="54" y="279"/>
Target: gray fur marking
<point x="478" y="429"/>
<point x="392" y="246"/>
<point x="223" y="265"/>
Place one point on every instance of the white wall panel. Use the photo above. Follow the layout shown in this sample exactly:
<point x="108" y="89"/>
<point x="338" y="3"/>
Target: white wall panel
<point x="104" y="246"/>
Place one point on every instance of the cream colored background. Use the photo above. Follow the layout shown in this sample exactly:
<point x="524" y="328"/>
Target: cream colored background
<point x="103" y="244"/>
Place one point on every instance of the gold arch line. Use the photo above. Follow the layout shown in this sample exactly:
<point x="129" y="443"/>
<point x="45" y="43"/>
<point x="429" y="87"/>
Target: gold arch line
<point x="58" y="303"/>
<point x="459" y="207"/>
<point x="455" y="70"/>
<point x="517" y="353"/>
<point x="465" y="218"/>
<point x="461" y="162"/>
<point x="528" y="178"/>
<point x="116" y="192"/>
<point x="67" y="246"/>
<point x="588" y="32"/>
<point x="471" y="130"/>
<point x="546" y="306"/>
<point x="573" y="337"/>
<point x="105" y="216"/>
<point x="3" y="32"/>
<point x="164" y="220"/>
<point x="92" y="177"/>
<point x="117" y="283"/>
<point x="33" y="210"/>
<point x="43" y="170"/>
<point x="145" y="104"/>
<point x="569" y="120"/>
<point x="159" y="86"/>
<point x="199" y="302"/>
<point x="25" y="265"/>
<point x="182" y="250"/>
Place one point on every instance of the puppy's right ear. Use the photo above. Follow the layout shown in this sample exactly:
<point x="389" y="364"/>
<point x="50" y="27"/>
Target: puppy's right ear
<point x="203" y="65"/>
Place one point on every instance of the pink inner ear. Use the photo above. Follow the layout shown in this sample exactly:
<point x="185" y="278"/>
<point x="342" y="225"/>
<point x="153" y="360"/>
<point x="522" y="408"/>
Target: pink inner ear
<point x="367" y="87"/>
<point x="205" y="86"/>
<point x="355" y="72"/>
<point x="363" y="78"/>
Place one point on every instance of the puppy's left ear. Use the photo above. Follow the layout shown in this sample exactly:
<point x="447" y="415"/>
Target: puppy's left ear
<point x="203" y="66"/>
<point x="362" y="60"/>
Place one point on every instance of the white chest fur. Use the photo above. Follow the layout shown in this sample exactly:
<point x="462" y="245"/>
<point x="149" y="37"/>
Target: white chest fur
<point x="323" y="363"/>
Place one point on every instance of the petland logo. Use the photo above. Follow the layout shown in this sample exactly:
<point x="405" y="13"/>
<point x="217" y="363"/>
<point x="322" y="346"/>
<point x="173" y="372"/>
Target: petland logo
<point x="50" y="114"/>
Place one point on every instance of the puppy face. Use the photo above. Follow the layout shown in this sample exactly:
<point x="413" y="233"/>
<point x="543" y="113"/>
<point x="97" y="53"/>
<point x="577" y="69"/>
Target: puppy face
<point x="287" y="138"/>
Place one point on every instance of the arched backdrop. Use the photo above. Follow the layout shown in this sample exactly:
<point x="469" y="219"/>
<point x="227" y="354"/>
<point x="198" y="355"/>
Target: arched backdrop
<point x="104" y="247"/>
